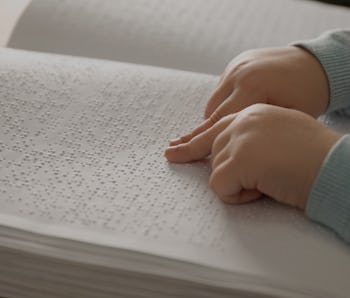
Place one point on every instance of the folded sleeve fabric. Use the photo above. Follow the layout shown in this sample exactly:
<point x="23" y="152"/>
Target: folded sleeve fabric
<point x="329" y="199"/>
<point x="332" y="49"/>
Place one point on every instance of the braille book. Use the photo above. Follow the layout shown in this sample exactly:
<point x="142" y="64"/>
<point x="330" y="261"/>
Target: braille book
<point x="91" y="92"/>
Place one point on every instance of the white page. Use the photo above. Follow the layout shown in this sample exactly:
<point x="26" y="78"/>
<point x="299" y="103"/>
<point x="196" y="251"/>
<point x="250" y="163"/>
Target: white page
<point x="81" y="146"/>
<point x="10" y="12"/>
<point x="196" y="35"/>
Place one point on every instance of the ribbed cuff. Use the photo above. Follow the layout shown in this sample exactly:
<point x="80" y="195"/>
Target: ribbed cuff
<point x="329" y="199"/>
<point x="332" y="49"/>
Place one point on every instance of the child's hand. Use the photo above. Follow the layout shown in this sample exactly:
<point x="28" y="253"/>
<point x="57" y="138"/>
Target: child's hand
<point x="288" y="77"/>
<point x="262" y="149"/>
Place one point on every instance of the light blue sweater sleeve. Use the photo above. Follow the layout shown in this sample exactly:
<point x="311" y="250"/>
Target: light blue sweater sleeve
<point x="329" y="199"/>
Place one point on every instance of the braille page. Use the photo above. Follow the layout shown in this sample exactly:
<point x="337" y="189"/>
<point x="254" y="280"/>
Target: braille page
<point x="196" y="35"/>
<point x="81" y="144"/>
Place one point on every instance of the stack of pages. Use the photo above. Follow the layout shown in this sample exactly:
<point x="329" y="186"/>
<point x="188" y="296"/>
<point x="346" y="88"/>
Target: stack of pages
<point x="89" y="207"/>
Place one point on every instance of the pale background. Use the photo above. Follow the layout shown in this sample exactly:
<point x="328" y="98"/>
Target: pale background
<point x="10" y="11"/>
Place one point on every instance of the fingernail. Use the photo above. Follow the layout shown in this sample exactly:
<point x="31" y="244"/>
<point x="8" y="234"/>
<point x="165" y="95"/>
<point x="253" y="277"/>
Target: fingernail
<point x="175" y="142"/>
<point x="170" y="151"/>
<point x="172" y="148"/>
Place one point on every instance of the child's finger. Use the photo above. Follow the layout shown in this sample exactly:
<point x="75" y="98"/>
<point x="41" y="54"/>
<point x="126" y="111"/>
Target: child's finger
<point x="244" y="196"/>
<point x="236" y="102"/>
<point x="220" y="94"/>
<point x="219" y="158"/>
<point x="186" y="138"/>
<point x="224" y="179"/>
<point x="199" y="147"/>
<point x="223" y="110"/>
<point x="226" y="182"/>
<point x="198" y="130"/>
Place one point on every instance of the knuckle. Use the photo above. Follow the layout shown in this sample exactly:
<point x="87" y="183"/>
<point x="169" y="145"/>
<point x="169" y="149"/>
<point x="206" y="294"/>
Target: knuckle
<point x="215" y="117"/>
<point x="248" y="80"/>
<point x="254" y="114"/>
<point x="215" y="161"/>
<point x="228" y="118"/>
<point x="186" y="138"/>
<point x="238" y="63"/>
<point x="242" y="151"/>
<point x="192" y="149"/>
<point x="218" y="143"/>
<point x="225" y="121"/>
<point x="192" y="134"/>
<point x="242" y="124"/>
<point x="195" y="149"/>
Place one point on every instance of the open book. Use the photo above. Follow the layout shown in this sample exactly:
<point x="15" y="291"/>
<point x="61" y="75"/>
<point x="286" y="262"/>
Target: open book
<point x="89" y="206"/>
